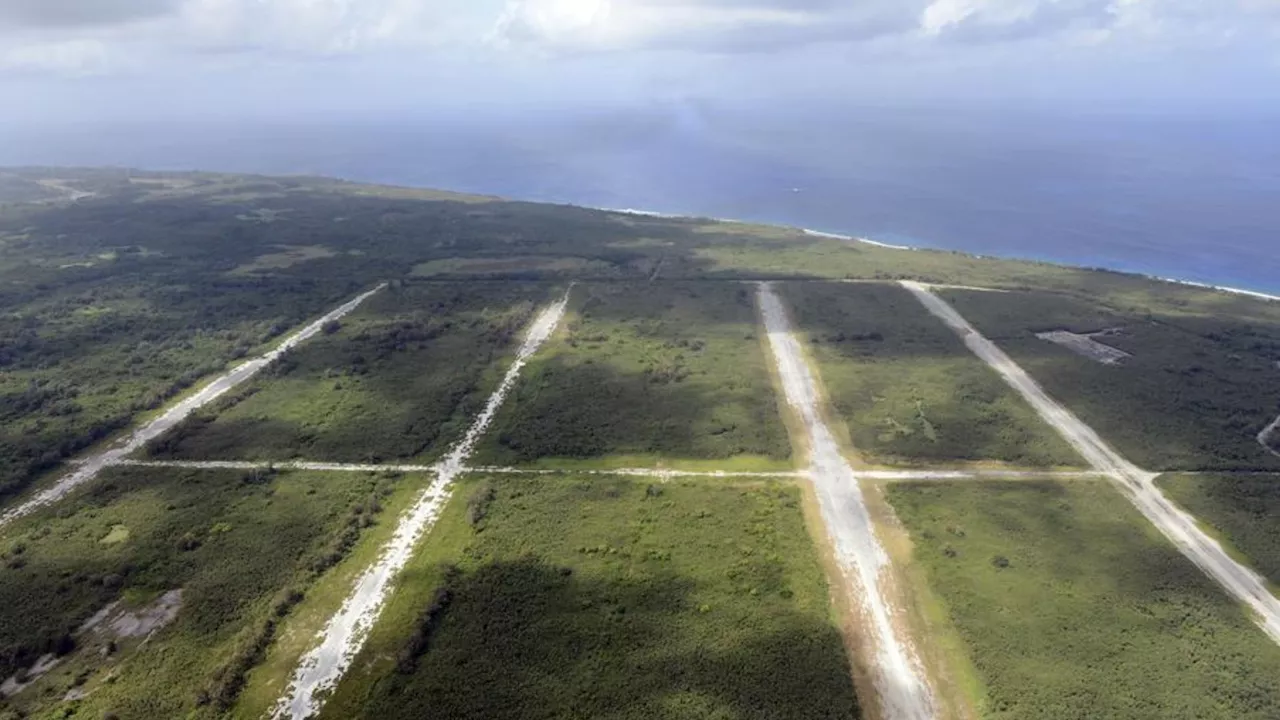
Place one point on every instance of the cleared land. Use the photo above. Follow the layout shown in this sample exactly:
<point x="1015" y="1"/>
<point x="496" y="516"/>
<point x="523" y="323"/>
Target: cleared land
<point x="1071" y="606"/>
<point x="1193" y="396"/>
<point x="1242" y="508"/>
<point x="647" y="374"/>
<point x="242" y="549"/>
<point x="609" y="598"/>
<point x="397" y="381"/>
<point x="906" y="387"/>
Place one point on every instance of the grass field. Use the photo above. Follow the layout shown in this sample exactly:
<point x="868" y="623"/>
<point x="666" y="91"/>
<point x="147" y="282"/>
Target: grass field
<point x="660" y="373"/>
<point x="1244" y="510"/>
<point x="609" y="598"/>
<point x="1193" y="396"/>
<point x="907" y="389"/>
<point x="1071" y="606"/>
<point x="400" y="379"/>
<point x="243" y="549"/>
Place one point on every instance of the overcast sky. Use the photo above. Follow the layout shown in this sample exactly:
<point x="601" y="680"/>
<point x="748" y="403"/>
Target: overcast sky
<point x="290" y="58"/>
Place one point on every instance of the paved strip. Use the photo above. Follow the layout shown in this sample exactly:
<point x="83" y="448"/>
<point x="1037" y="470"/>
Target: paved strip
<point x="320" y="669"/>
<point x="641" y="472"/>
<point x="948" y="475"/>
<point x="89" y="467"/>
<point x="941" y="474"/>
<point x="285" y="465"/>
<point x="1135" y="483"/>
<point x="896" y="671"/>
<point x="1267" y="436"/>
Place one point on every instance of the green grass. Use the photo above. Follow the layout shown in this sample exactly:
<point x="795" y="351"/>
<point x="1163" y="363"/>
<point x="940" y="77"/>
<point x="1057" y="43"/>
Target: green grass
<point x="1242" y="509"/>
<point x="400" y="380"/>
<point x="243" y="550"/>
<point x="1072" y="606"/>
<point x="612" y="598"/>
<point x="907" y="388"/>
<point x="1194" y="396"/>
<point x="663" y="373"/>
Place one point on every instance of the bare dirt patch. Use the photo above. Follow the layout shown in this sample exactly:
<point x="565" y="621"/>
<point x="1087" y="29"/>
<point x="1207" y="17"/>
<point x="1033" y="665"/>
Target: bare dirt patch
<point x="146" y="620"/>
<point x="102" y="635"/>
<point x="1088" y="345"/>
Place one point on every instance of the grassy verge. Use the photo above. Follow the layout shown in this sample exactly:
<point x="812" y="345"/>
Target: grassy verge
<point x="1194" y="394"/>
<point x="907" y="389"/>
<point x="1071" y="606"/>
<point x="1244" y="510"/>
<point x="399" y="379"/>
<point x="609" y="598"/>
<point x="243" y="550"/>
<point x="659" y="373"/>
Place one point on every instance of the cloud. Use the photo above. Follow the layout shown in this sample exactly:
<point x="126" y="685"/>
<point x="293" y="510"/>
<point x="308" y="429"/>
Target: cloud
<point x="303" y="26"/>
<point x="89" y="36"/>
<point x="746" y="25"/>
<point x="997" y="20"/>
<point x="69" y="57"/>
<point x="79" y="13"/>
<point x="717" y="25"/>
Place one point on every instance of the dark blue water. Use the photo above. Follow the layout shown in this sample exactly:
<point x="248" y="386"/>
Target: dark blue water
<point x="1195" y="197"/>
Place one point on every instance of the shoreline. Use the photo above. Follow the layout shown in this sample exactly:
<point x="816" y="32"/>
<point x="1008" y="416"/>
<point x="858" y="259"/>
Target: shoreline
<point x="1255" y="294"/>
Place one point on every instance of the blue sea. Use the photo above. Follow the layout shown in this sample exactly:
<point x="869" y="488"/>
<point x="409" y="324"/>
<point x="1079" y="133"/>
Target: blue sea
<point x="1190" y="195"/>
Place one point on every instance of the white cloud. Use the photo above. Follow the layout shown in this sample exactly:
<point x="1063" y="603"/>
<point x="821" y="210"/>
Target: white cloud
<point x="585" y="25"/>
<point x="717" y="25"/>
<point x="87" y="36"/>
<point x="66" y="57"/>
<point x="304" y="26"/>
<point x="78" y="36"/>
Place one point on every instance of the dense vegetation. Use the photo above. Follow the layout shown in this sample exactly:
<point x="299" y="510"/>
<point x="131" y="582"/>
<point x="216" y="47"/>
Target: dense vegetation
<point x="242" y="547"/>
<point x="664" y="371"/>
<point x="569" y="597"/>
<point x="907" y="388"/>
<point x="399" y="379"/>
<point x="114" y="302"/>
<point x="1193" y="396"/>
<point x="1071" y="606"/>
<point x="613" y="598"/>
<point x="1243" y="508"/>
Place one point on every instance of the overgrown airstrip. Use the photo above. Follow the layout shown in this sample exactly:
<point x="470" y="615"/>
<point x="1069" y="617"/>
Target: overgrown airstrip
<point x="474" y="490"/>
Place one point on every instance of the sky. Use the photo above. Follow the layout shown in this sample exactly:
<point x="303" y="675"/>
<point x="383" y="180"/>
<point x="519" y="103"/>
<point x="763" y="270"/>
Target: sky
<point x="291" y="59"/>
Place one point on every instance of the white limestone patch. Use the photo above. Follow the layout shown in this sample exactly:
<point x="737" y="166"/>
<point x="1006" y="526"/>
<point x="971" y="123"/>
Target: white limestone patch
<point x="1088" y="345"/>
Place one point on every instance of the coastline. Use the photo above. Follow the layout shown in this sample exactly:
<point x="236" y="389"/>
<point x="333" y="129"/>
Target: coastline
<point x="1257" y="295"/>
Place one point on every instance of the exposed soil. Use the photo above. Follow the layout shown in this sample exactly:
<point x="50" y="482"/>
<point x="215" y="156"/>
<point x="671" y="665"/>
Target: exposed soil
<point x="1088" y="345"/>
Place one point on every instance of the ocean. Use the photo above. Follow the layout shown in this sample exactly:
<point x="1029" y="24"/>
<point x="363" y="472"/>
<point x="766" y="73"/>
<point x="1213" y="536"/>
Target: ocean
<point x="1194" y="196"/>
